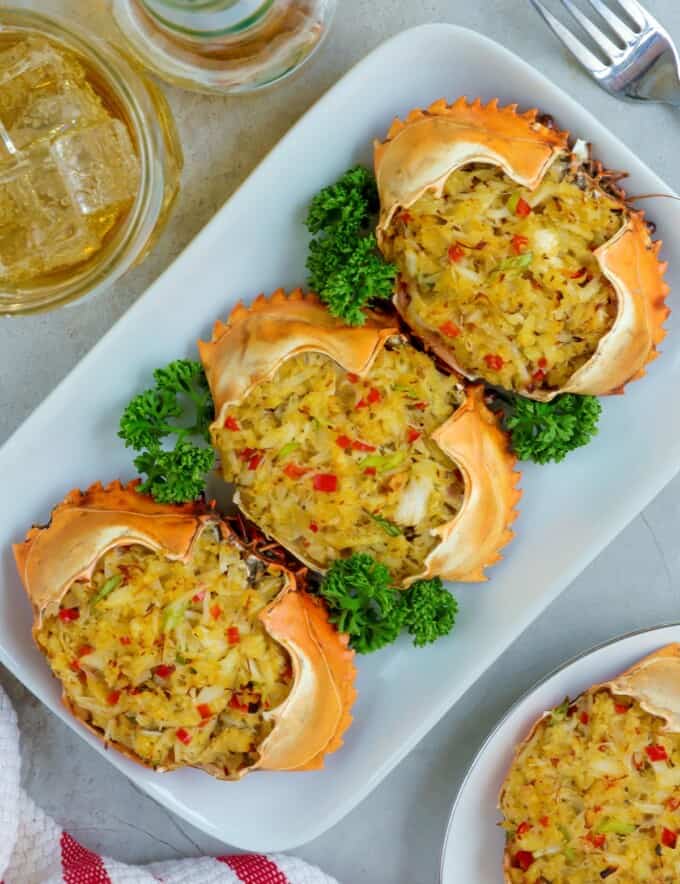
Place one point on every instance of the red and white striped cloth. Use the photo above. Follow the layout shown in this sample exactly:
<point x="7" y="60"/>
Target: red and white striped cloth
<point x="35" y="850"/>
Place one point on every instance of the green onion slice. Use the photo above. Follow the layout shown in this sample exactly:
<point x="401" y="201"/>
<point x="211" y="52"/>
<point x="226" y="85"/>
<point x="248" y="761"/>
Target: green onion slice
<point x="287" y="449"/>
<point x="520" y="262"/>
<point x="383" y="462"/>
<point x="387" y="526"/>
<point x="106" y="589"/>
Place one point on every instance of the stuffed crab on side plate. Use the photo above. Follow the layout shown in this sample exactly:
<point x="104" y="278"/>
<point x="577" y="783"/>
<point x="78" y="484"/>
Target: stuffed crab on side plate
<point x="593" y="792"/>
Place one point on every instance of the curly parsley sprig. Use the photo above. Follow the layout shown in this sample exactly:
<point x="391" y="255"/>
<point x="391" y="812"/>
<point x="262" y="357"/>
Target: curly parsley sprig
<point x="363" y="602"/>
<point x="345" y="267"/>
<point x="430" y="611"/>
<point x="548" y="431"/>
<point x="179" y="405"/>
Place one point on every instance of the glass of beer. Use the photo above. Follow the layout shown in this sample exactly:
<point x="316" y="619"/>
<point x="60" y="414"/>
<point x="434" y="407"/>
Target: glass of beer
<point x="90" y="163"/>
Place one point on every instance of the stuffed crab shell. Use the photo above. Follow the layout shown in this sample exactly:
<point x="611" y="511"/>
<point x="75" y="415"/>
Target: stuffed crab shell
<point x="180" y="644"/>
<point x="347" y="439"/>
<point x="594" y="791"/>
<point x="519" y="260"/>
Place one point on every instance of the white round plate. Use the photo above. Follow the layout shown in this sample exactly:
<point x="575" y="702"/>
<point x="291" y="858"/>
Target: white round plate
<point x="473" y="848"/>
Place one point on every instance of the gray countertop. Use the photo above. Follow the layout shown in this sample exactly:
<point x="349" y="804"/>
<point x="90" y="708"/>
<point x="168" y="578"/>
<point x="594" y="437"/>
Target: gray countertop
<point x="395" y="835"/>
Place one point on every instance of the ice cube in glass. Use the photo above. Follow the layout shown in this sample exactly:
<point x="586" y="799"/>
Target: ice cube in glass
<point x="43" y="93"/>
<point x="51" y="114"/>
<point x="41" y="231"/>
<point x="32" y="67"/>
<point x="99" y="166"/>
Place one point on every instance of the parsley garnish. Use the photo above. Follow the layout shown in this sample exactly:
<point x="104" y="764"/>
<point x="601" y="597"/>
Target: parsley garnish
<point x="363" y="602"/>
<point x="548" y="431"/>
<point x="430" y="611"/>
<point x="345" y="267"/>
<point x="181" y="393"/>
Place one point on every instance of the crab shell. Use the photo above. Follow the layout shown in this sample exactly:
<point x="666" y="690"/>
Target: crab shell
<point x="310" y="722"/>
<point x="654" y="682"/>
<point x="255" y="341"/>
<point x="420" y="154"/>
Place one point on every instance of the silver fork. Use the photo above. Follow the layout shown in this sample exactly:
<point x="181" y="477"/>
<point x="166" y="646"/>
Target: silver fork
<point x="642" y="62"/>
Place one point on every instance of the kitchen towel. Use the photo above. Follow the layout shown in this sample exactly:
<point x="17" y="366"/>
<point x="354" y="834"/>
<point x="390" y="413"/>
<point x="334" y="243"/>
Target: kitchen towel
<point x="34" y="849"/>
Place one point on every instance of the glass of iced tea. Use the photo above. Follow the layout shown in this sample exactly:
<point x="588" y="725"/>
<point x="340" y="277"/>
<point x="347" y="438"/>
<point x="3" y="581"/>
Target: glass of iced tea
<point x="89" y="163"/>
<point x="225" y="46"/>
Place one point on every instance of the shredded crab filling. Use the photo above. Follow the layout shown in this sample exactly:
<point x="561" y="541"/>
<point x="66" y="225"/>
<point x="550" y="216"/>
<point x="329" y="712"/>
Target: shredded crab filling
<point x="594" y="794"/>
<point x="505" y="277"/>
<point x="331" y="463"/>
<point x="169" y="659"/>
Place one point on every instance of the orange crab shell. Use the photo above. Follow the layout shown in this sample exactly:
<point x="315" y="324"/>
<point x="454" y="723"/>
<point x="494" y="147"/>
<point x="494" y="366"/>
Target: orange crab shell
<point x="255" y="341"/>
<point x="420" y="154"/>
<point x="311" y="721"/>
<point x="654" y="682"/>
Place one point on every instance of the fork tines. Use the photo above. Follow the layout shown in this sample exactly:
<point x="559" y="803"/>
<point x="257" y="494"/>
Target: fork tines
<point x="608" y="47"/>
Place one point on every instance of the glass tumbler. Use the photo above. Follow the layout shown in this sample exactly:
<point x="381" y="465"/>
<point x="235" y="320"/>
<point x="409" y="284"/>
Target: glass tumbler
<point x="90" y="162"/>
<point x="224" y="46"/>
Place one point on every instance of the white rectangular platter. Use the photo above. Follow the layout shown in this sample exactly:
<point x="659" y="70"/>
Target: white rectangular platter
<point x="254" y="244"/>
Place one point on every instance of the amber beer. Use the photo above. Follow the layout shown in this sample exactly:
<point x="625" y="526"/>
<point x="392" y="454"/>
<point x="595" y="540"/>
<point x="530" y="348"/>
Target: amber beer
<point x="89" y="163"/>
<point x="69" y="170"/>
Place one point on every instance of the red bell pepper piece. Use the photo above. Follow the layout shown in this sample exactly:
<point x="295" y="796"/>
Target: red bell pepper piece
<point x="518" y="243"/>
<point x="523" y="208"/>
<point x="669" y="838"/>
<point x="494" y="361"/>
<point x="455" y="253"/>
<point x="293" y="471"/>
<point x="450" y="329"/>
<point x="325" y="482"/>
<point x="656" y="752"/>
<point x="523" y="860"/>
